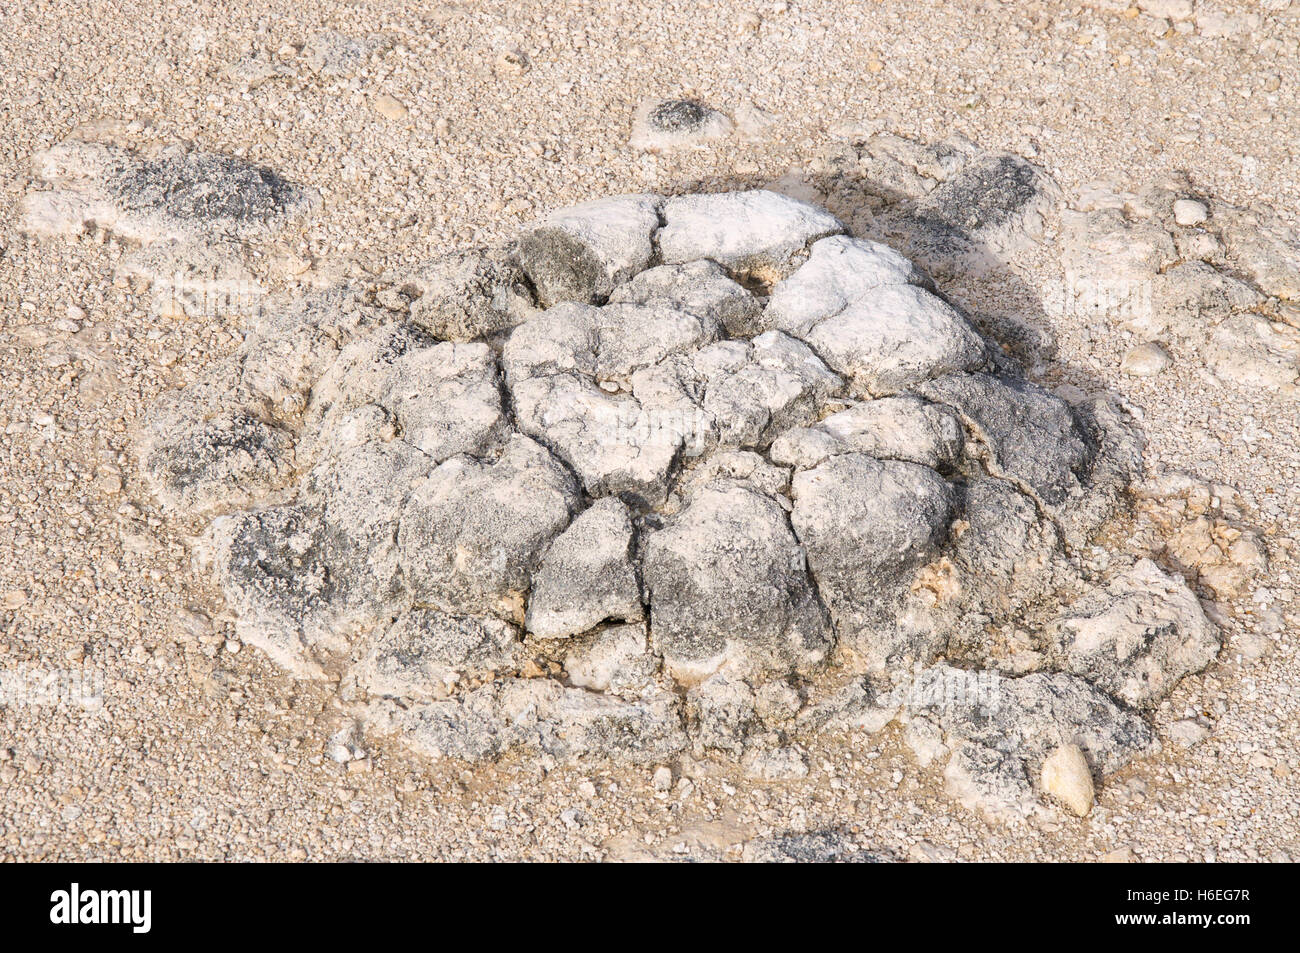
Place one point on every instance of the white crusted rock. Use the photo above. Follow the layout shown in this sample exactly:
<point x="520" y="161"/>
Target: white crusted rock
<point x="891" y="428"/>
<point x="839" y="271"/>
<point x="662" y="125"/>
<point x="758" y="233"/>
<point x="894" y="337"/>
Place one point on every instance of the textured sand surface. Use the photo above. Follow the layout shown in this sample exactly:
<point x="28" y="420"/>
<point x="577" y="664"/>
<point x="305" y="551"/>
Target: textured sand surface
<point x="462" y="123"/>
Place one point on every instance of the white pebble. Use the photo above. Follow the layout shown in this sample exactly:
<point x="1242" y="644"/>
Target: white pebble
<point x="1190" y="212"/>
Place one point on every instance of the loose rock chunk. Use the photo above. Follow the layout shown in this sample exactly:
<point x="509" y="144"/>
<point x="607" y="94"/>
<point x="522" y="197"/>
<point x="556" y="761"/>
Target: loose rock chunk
<point x="584" y="252"/>
<point x="209" y="447"/>
<point x="615" y="659"/>
<point x="1138" y="636"/>
<point x="361" y="492"/>
<point x="675" y="124"/>
<point x="180" y="193"/>
<point x="727" y="587"/>
<point x="758" y="234"/>
<point x="722" y="714"/>
<point x="296" y="593"/>
<point x="587" y="576"/>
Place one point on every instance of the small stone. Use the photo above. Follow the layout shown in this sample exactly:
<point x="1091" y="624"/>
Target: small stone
<point x="390" y="108"/>
<point x="1120" y="855"/>
<point x="1188" y="732"/>
<point x="15" y="599"/>
<point x="677" y="123"/>
<point x="233" y="646"/>
<point x="663" y="778"/>
<point x="1146" y="360"/>
<point x="1190" y="212"/>
<point x="1066" y="777"/>
<point x="514" y="62"/>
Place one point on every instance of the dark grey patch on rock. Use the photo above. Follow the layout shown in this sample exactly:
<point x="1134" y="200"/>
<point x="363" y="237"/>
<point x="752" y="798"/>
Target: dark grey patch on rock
<point x="467" y="294"/>
<point x="205" y="187"/>
<point x="677" y="115"/>
<point x="1032" y="436"/>
<point x="814" y="847"/>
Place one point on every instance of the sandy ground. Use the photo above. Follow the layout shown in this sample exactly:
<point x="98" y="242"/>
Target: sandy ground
<point x="198" y="752"/>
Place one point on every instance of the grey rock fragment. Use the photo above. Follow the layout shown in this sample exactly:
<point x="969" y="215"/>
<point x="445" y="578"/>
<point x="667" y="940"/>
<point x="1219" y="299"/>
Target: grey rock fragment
<point x="1033" y="437"/>
<point x="587" y="576"/>
<point x="839" y="271"/>
<point x="274" y="569"/>
<point x="1138" y="636"/>
<point x="467" y="294"/>
<point x="472" y="533"/>
<point x="867" y="526"/>
<point x="425" y="654"/>
<point x="722" y="716"/>
<point x="200" y="460"/>
<point x="982" y="216"/>
<point x="894" y="337"/>
<point x="727" y="587"/>
<point x="361" y="491"/>
<point x="615" y="659"/>
<point x="753" y="390"/>
<point x="442" y="397"/>
<point x="584" y="252"/>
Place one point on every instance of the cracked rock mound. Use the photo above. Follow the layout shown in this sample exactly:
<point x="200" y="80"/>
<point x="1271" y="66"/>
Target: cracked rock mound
<point x="701" y="473"/>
